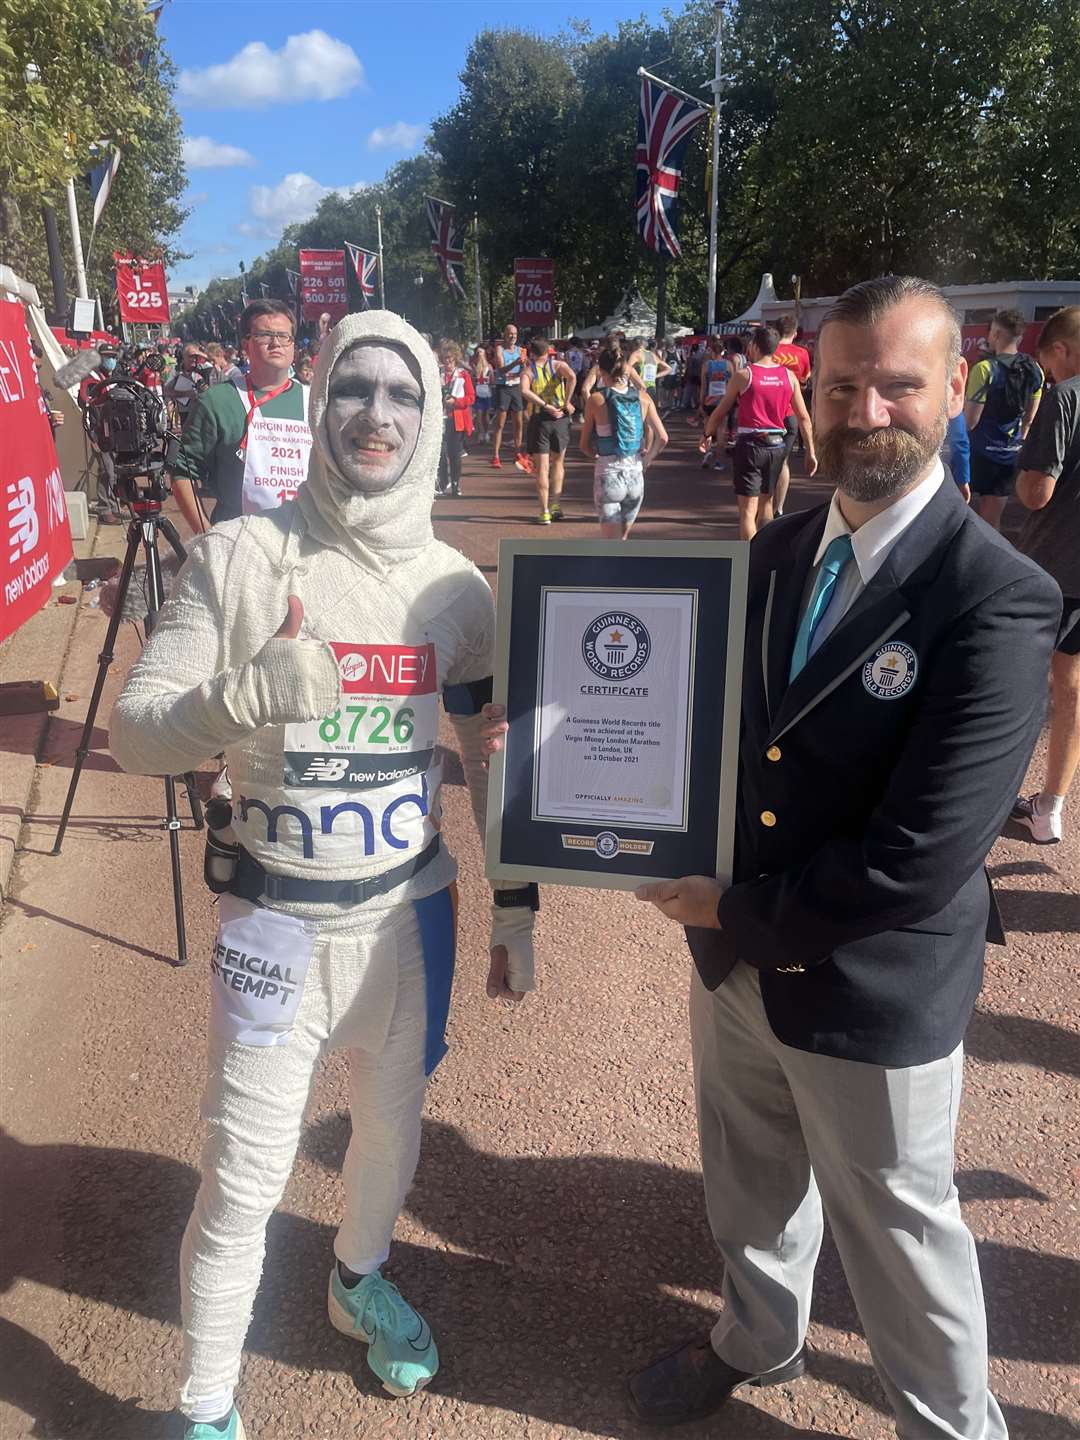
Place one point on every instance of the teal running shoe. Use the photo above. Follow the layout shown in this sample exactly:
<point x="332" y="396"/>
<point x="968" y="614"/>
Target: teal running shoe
<point x="233" y="1431"/>
<point x="401" y="1351"/>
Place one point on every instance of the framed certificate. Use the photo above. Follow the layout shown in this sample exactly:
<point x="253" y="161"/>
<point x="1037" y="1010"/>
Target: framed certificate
<point x="620" y="666"/>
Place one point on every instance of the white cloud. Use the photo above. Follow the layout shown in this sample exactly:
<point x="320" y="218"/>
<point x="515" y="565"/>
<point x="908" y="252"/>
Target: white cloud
<point x="291" y="200"/>
<point x="202" y="153"/>
<point x="196" y="197"/>
<point x="312" y="66"/>
<point x="399" y="136"/>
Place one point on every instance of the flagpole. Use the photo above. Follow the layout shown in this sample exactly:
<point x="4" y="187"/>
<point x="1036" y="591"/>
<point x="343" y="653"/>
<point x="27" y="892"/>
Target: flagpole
<point x="76" y="242"/>
<point x="710" y="318"/>
<point x="382" y="278"/>
<point x="479" y="300"/>
<point x="644" y="74"/>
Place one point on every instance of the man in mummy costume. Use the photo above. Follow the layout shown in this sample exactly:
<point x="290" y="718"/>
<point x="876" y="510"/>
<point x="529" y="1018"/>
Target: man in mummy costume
<point x="312" y="643"/>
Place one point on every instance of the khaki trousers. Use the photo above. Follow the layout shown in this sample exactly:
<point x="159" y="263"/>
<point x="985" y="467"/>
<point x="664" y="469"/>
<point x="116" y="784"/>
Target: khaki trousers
<point x="785" y="1134"/>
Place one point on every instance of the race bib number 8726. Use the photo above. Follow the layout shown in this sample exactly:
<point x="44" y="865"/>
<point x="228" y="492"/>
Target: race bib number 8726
<point x="384" y="730"/>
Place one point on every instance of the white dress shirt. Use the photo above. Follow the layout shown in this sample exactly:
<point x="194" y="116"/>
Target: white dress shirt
<point x="870" y="545"/>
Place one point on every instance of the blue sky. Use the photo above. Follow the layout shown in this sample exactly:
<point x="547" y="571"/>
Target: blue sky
<point x="283" y="102"/>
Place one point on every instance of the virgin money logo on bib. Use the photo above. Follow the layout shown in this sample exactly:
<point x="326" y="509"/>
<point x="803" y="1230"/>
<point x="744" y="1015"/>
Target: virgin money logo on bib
<point x="616" y="646"/>
<point x="891" y="673"/>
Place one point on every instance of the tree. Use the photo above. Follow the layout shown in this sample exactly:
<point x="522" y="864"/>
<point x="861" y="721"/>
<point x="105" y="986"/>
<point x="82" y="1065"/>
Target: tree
<point x="856" y="137"/>
<point x="74" y="73"/>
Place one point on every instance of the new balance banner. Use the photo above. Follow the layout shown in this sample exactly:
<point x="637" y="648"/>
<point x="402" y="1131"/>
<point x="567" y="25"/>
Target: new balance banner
<point x="37" y="537"/>
<point x="142" y="290"/>
<point x="534" y="291"/>
<point x="322" y="284"/>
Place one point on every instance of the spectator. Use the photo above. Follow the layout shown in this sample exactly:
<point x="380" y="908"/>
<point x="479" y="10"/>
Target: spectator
<point x="483" y="375"/>
<point x="458" y="395"/>
<point x="189" y="381"/>
<point x="1049" y="485"/>
<point x="1002" y="396"/>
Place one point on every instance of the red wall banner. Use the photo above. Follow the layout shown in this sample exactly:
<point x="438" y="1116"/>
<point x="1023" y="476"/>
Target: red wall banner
<point x="322" y="284"/>
<point x="36" y="541"/>
<point x="142" y="290"/>
<point x="534" y="291"/>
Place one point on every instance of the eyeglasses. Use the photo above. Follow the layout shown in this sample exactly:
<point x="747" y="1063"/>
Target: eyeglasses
<point x="268" y="337"/>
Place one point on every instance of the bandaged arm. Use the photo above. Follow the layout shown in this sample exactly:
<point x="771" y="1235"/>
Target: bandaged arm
<point x="186" y="698"/>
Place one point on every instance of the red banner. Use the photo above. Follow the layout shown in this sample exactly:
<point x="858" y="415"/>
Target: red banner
<point x="37" y="537"/>
<point x="322" y="284"/>
<point x="142" y="290"/>
<point x="534" y="288"/>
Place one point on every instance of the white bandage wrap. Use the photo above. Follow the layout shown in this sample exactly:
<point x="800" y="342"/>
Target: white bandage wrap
<point x="512" y="926"/>
<point x="287" y="682"/>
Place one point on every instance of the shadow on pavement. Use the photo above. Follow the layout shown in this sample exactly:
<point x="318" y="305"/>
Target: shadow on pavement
<point x="1018" y="1040"/>
<point x="62" y="740"/>
<point x="567" y="1287"/>
<point x="35" y="912"/>
<point x="1039" y="912"/>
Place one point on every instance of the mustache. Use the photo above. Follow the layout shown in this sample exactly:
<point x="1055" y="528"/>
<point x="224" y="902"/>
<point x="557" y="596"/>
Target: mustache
<point x="891" y="440"/>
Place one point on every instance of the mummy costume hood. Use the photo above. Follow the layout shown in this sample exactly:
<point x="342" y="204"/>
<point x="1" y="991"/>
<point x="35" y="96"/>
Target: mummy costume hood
<point x="395" y="524"/>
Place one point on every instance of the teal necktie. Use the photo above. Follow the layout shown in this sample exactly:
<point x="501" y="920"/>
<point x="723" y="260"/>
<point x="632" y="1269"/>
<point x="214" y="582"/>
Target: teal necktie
<point x="837" y="555"/>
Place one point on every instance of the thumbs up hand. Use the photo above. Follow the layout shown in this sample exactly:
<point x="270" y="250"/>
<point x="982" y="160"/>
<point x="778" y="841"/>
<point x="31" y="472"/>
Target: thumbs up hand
<point x="291" y="680"/>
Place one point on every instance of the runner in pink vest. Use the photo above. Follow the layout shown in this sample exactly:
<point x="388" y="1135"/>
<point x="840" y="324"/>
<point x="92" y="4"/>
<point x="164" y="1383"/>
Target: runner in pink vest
<point x="766" y="392"/>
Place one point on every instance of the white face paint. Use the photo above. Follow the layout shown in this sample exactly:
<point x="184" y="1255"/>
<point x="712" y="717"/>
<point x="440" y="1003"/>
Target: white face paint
<point x="373" y="414"/>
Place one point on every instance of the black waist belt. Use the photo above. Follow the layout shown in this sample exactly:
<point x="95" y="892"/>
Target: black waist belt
<point x="253" y="882"/>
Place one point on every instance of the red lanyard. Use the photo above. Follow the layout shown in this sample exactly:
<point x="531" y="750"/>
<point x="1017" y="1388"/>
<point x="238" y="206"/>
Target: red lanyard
<point x="253" y="405"/>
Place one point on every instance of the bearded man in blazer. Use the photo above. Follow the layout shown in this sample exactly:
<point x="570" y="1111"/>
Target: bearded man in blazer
<point x="896" y="659"/>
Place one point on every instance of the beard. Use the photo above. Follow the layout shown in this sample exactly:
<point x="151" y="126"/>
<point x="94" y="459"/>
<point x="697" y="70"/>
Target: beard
<point x="874" y="465"/>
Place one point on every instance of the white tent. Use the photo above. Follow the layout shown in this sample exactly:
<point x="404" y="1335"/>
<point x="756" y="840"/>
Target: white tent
<point x="633" y="316"/>
<point x="755" y="315"/>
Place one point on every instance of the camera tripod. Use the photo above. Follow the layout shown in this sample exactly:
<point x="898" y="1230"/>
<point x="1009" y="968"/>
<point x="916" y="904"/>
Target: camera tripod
<point x="143" y="530"/>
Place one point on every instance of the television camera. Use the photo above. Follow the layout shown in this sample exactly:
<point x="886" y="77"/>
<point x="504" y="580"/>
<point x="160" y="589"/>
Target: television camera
<point x="128" y="421"/>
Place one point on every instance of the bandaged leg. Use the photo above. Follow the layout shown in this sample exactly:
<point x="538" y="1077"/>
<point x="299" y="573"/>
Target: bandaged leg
<point x="386" y="1096"/>
<point x="254" y="1105"/>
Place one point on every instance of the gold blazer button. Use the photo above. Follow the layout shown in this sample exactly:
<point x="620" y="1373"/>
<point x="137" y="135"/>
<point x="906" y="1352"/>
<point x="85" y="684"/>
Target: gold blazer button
<point x="768" y="818"/>
<point x="773" y="752"/>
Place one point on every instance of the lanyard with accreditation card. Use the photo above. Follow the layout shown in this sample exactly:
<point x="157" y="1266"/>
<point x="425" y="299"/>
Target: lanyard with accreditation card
<point x="253" y="405"/>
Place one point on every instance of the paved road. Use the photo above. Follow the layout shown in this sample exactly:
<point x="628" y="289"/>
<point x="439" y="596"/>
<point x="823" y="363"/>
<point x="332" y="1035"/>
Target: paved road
<point x="555" y="1236"/>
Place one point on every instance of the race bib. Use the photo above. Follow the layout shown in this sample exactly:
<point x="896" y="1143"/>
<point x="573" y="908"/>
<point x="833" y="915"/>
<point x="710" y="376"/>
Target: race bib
<point x="385" y="729"/>
<point x="648" y="373"/>
<point x="483" y="390"/>
<point x="716" y="389"/>
<point x="275" y="461"/>
<point x="257" y="971"/>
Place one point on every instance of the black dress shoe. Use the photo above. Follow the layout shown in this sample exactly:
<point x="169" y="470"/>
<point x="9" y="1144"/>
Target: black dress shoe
<point x="692" y="1381"/>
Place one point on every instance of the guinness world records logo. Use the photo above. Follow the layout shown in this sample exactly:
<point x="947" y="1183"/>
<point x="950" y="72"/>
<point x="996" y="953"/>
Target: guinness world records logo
<point x="616" y="646"/>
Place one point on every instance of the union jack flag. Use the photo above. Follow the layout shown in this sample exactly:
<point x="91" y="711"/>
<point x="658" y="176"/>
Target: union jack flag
<point x="448" y="245"/>
<point x="665" y="121"/>
<point x="364" y="263"/>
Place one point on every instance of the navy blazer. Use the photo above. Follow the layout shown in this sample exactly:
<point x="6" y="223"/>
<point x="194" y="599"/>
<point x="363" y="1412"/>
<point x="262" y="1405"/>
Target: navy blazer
<point x="872" y="787"/>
